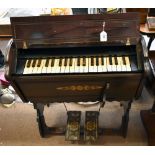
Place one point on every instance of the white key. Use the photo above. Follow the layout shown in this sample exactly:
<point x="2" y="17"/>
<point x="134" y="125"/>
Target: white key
<point x="39" y="70"/>
<point x="37" y="67"/>
<point x="67" y="66"/>
<point x="71" y="69"/>
<point x="128" y="67"/>
<point x="91" y="68"/>
<point x="86" y="67"/>
<point x="34" y="71"/>
<point x="52" y="65"/>
<point x="43" y="62"/>
<point x="44" y="69"/>
<point x="77" y="68"/>
<point x="81" y="65"/>
<point x="100" y="66"/>
<point x="30" y="69"/>
<point x="123" y="66"/>
<point x="26" y="68"/>
<point x="33" y="65"/>
<point x="109" y="67"/>
<point x="119" y="68"/>
<point x="49" y="68"/>
<point x="113" y="64"/>
<point x="62" y="67"/>
<point x="104" y="67"/>
<point x="56" y="67"/>
<point x="95" y="66"/>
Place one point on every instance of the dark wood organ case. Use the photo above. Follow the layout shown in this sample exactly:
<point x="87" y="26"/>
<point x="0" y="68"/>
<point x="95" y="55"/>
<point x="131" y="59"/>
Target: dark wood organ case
<point x="61" y="59"/>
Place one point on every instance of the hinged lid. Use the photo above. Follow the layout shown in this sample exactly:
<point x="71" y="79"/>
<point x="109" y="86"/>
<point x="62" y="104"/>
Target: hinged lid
<point x="75" y="30"/>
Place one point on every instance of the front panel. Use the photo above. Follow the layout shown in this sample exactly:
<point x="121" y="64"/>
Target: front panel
<point x="78" y="88"/>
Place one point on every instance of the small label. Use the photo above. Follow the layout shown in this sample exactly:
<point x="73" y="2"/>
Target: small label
<point x="103" y="36"/>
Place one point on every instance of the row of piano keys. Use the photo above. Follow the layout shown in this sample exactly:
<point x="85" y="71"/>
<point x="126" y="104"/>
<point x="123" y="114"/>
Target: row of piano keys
<point x="77" y="65"/>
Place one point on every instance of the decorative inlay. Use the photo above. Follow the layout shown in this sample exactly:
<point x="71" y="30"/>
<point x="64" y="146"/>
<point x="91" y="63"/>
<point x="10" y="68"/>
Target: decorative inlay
<point x="80" y="87"/>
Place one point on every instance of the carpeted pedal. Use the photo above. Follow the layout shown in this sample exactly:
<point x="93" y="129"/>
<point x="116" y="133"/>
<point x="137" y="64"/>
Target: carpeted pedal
<point x="73" y="125"/>
<point x="91" y="126"/>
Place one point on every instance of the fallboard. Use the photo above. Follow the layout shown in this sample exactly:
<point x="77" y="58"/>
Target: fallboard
<point x="75" y="30"/>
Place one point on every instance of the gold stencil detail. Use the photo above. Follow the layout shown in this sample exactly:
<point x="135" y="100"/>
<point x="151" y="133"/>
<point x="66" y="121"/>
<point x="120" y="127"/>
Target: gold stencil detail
<point x="90" y="125"/>
<point x="80" y="87"/>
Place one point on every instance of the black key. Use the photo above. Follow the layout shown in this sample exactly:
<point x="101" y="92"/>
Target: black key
<point x="92" y="61"/>
<point x="84" y="61"/>
<point x="70" y="61"/>
<point x="39" y="63"/>
<point x="47" y="63"/>
<point x="113" y="60"/>
<point x="33" y="63"/>
<point x="102" y="59"/>
<point x="60" y="62"/>
<point x="52" y="63"/>
<point x="110" y="60"/>
<point x="78" y="62"/>
<point x="116" y="62"/>
<point x="124" y="62"/>
<point x="65" y="64"/>
<point x="28" y="63"/>
<point x="97" y="61"/>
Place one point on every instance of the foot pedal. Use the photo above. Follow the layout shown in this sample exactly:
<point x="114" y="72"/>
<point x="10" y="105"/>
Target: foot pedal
<point x="91" y="126"/>
<point x="73" y="125"/>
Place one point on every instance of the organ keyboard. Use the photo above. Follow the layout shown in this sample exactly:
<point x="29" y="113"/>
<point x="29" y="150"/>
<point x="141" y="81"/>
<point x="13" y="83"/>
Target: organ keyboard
<point x="61" y="59"/>
<point x="78" y="65"/>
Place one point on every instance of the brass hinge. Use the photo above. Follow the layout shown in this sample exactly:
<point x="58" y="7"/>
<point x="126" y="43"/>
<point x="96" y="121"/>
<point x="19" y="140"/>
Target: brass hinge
<point x="24" y="45"/>
<point x="128" y="42"/>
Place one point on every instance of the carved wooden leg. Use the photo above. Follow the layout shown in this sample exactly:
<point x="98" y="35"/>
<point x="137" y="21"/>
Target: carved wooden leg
<point x="43" y="128"/>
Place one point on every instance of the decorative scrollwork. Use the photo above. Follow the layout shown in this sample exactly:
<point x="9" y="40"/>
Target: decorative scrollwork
<point x="80" y="87"/>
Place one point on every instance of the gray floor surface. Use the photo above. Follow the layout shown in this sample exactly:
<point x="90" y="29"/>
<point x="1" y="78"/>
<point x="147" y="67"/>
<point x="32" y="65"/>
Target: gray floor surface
<point x="18" y="125"/>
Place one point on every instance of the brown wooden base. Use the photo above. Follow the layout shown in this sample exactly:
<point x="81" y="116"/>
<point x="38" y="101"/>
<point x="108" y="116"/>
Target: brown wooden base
<point x="148" y="119"/>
